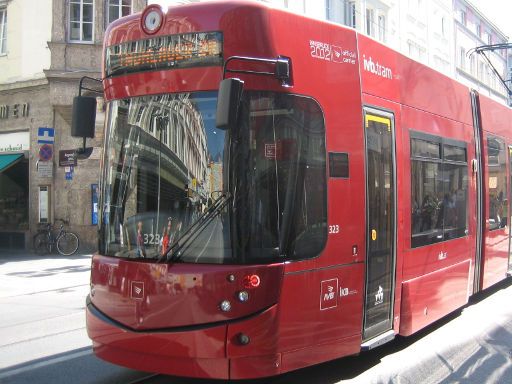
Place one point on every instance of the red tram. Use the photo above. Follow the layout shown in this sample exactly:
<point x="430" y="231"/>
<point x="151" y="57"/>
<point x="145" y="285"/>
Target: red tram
<point x="279" y="191"/>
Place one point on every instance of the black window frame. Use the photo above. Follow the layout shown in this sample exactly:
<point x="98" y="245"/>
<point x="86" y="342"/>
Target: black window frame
<point x="439" y="234"/>
<point x="501" y="223"/>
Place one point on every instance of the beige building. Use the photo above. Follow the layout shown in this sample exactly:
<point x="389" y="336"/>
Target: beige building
<point x="46" y="46"/>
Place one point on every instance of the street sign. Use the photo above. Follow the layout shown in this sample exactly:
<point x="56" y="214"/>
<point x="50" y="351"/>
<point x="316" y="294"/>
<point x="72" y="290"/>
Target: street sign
<point x="46" y="152"/>
<point x="94" y="202"/>
<point x="67" y="157"/>
<point x="45" y="135"/>
<point x="45" y="169"/>
<point x="69" y="172"/>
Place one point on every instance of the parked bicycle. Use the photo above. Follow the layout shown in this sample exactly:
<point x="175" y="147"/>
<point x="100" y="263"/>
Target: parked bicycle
<point x="46" y="239"/>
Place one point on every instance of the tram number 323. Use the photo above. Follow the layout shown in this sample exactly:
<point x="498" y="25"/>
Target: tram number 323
<point x="151" y="239"/>
<point x="334" y="228"/>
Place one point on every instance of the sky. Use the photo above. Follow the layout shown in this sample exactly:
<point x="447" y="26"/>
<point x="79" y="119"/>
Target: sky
<point x="498" y="12"/>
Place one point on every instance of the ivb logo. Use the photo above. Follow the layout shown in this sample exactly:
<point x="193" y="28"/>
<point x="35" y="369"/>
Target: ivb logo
<point x="137" y="290"/>
<point x="328" y="294"/>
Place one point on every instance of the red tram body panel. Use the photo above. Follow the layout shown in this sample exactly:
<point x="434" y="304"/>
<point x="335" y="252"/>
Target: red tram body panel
<point x="366" y="195"/>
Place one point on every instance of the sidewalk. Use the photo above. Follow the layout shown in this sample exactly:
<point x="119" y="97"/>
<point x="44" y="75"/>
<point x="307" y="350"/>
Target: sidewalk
<point x="26" y="273"/>
<point x="24" y="254"/>
<point x="42" y="300"/>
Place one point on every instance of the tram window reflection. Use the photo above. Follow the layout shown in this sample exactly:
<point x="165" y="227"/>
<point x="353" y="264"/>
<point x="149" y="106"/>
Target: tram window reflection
<point x="166" y="191"/>
<point x="497" y="171"/>
<point x="439" y="189"/>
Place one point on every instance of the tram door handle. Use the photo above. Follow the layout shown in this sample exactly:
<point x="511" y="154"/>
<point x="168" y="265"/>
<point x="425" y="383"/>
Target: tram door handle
<point x="474" y="166"/>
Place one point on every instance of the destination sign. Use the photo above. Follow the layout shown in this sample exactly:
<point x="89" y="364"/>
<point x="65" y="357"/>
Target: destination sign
<point x="183" y="50"/>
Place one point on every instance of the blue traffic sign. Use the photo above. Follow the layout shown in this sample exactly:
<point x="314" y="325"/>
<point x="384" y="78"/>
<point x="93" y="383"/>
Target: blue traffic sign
<point x="46" y="152"/>
<point x="45" y="135"/>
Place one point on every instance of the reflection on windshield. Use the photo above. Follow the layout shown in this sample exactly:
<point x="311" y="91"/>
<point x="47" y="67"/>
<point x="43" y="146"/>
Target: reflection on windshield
<point x="279" y="183"/>
<point x="164" y="160"/>
<point x="165" y="192"/>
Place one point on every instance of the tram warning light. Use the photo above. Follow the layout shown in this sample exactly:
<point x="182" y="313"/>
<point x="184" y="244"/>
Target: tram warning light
<point x="252" y="281"/>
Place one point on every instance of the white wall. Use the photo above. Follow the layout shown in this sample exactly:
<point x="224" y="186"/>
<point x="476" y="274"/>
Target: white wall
<point x="29" y="24"/>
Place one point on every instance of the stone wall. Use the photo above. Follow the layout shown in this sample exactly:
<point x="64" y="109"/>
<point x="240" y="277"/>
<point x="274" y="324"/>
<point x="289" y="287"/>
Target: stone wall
<point x="40" y="115"/>
<point x="50" y="103"/>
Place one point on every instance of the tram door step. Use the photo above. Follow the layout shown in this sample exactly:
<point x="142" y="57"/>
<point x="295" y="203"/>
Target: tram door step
<point x="378" y="341"/>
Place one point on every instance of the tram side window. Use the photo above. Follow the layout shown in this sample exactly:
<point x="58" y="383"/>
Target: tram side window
<point x="439" y="184"/>
<point x="498" y="202"/>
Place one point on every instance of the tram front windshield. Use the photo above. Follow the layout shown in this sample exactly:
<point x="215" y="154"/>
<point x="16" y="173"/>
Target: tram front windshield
<point x="176" y="188"/>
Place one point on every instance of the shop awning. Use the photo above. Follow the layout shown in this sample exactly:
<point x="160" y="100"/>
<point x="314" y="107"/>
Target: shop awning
<point x="7" y="161"/>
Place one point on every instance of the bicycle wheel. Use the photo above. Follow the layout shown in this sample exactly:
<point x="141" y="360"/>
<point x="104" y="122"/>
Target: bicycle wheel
<point x="67" y="244"/>
<point x="41" y="246"/>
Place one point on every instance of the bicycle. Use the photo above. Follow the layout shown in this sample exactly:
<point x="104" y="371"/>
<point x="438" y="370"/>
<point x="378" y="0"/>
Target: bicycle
<point x="65" y="242"/>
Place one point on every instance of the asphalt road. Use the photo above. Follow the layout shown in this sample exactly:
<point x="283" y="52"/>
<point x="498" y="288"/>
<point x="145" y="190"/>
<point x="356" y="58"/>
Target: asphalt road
<point x="43" y="338"/>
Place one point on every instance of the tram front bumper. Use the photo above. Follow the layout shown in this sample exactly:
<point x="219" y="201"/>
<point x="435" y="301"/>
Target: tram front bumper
<point x="209" y="352"/>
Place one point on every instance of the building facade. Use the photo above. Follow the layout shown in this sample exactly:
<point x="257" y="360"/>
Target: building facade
<point x="437" y="33"/>
<point x="420" y="29"/>
<point x="46" y="47"/>
<point x="426" y="32"/>
<point x="474" y="29"/>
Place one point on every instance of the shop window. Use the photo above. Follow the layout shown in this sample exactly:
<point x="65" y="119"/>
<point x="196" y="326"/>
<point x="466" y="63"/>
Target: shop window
<point x="13" y="192"/>
<point x="497" y="171"/>
<point x="439" y="189"/>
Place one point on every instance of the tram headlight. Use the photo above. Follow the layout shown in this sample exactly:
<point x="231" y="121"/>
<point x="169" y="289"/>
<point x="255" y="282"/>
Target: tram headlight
<point x="225" y="306"/>
<point x="243" y="296"/>
<point x="243" y="339"/>
<point x="231" y="278"/>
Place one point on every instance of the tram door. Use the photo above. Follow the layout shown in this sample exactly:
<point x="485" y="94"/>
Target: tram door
<point x="380" y="221"/>
<point x="510" y="213"/>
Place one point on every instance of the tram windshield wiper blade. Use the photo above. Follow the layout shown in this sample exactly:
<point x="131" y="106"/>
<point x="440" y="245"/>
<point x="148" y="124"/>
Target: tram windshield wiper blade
<point x="196" y="228"/>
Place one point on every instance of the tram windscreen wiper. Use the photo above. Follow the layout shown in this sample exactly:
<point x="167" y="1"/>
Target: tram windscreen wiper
<point x="174" y="251"/>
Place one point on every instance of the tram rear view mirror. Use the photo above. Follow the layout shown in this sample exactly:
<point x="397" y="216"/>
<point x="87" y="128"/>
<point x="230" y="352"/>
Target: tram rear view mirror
<point x="230" y="93"/>
<point x="283" y="70"/>
<point x="84" y="116"/>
